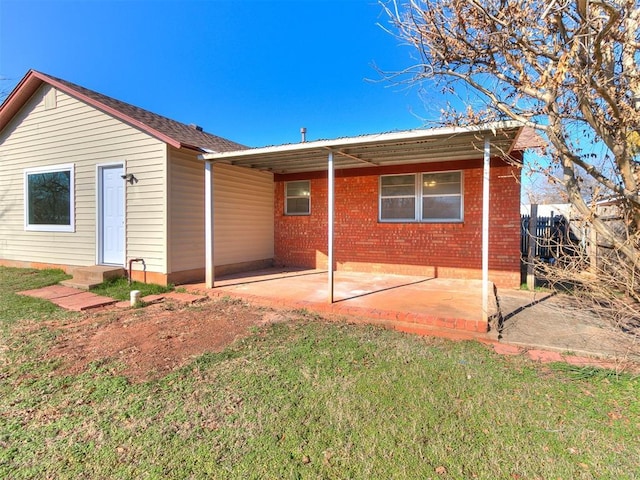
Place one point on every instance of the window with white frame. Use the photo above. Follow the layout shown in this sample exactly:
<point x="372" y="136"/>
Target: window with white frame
<point x="441" y="197"/>
<point x="398" y="197"/>
<point x="424" y="197"/>
<point x="49" y="198"/>
<point x="297" y="198"/>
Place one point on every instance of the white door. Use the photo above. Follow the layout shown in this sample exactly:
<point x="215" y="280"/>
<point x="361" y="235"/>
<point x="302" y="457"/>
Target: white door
<point x="111" y="215"/>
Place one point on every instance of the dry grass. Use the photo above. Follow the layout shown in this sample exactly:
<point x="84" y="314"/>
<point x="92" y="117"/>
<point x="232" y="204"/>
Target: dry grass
<point x="309" y="399"/>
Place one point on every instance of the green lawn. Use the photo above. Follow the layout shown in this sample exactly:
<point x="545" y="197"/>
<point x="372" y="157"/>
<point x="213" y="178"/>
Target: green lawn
<point x="120" y="289"/>
<point x="14" y="307"/>
<point x="309" y="399"/>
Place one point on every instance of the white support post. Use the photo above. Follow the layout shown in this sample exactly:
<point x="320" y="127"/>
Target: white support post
<point x="330" y="206"/>
<point x="208" y="222"/>
<point x="485" y="230"/>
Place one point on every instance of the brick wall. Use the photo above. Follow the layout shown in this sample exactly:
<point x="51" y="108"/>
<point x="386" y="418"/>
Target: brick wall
<point x="362" y="243"/>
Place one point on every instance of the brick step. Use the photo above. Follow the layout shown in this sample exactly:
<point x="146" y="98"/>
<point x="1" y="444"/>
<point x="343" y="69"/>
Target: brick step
<point x="89" y="277"/>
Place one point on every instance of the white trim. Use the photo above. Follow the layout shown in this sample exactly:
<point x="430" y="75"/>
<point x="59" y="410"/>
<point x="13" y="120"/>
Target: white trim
<point x="364" y="139"/>
<point x="286" y="197"/>
<point x="72" y="194"/>
<point x="381" y="197"/>
<point x="418" y="195"/>
<point x="98" y="206"/>
<point x="460" y="219"/>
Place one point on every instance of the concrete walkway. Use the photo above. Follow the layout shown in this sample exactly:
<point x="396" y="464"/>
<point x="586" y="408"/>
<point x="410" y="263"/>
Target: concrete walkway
<point x="78" y="300"/>
<point x="70" y="298"/>
<point x="541" y="321"/>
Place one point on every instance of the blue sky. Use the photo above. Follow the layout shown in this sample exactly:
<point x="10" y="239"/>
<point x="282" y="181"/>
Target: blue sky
<point x="251" y="71"/>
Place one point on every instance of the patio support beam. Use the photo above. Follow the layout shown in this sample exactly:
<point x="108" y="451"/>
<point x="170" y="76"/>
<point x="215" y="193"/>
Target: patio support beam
<point x="208" y="224"/>
<point x="330" y="207"/>
<point x="353" y="157"/>
<point x="485" y="230"/>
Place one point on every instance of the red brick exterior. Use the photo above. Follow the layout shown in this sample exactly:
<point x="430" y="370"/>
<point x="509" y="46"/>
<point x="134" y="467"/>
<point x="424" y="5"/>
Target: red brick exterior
<point x="362" y="243"/>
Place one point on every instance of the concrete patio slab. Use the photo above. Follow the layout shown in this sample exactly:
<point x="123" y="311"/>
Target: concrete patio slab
<point x="539" y="320"/>
<point x="533" y="321"/>
<point x="400" y="301"/>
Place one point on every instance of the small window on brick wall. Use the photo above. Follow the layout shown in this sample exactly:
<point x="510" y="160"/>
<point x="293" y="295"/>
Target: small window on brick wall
<point x="442" y="197"/>
<point x="297" y="198"/>
<point x="424" y="197"/>
<point x="398" y="198"/>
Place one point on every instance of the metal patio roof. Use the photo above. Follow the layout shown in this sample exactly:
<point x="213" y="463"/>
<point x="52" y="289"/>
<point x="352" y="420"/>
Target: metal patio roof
<point x="385" y="149"/>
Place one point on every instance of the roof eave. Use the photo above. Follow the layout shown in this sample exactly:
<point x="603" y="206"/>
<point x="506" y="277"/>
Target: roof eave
<point x="111" y="111"/>
<point x="34" y="79"/>
<point x="379" y="150"/>
<point x="362" y="140"/>
<point x="26" y="87"/>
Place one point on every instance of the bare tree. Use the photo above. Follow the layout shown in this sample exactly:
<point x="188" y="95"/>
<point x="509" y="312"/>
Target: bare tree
<point x="570" y="69"/>
<point x="539" y="190"/>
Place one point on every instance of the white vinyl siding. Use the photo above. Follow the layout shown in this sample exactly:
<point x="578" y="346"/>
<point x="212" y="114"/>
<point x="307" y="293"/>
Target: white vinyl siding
<point x="186" y="211"/>
<point x="243" y="215"/>
<point x="78" y="134"/>
<point x="146" y="210"/>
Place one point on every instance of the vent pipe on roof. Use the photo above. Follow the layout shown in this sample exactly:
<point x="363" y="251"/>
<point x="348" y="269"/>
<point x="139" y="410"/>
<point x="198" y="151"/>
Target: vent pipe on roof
<point x="303" y="133"/>
<point x="195" y="127"/>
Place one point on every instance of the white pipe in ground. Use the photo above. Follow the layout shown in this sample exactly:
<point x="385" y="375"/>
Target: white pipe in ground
<point x="135" y="297"/>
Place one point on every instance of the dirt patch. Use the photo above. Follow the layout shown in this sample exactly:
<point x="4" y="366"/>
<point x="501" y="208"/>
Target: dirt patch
<point x="152" y="341"/>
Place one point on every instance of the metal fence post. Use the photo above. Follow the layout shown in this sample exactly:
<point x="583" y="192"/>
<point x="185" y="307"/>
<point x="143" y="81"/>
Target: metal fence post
<point x="531" y="251"/>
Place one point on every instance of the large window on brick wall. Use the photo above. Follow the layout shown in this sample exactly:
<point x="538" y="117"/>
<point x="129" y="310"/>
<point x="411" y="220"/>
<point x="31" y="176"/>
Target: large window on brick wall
<point x="49" y="198"/>
<point x="421" y="197"/>
<point x="297" y="198"/>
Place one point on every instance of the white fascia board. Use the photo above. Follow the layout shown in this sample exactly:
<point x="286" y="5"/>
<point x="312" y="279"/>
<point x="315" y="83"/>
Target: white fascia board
<point x="362" y="140"/>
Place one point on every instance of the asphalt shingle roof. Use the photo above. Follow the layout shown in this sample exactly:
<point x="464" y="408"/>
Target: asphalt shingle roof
<point x="176" y="133"/>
